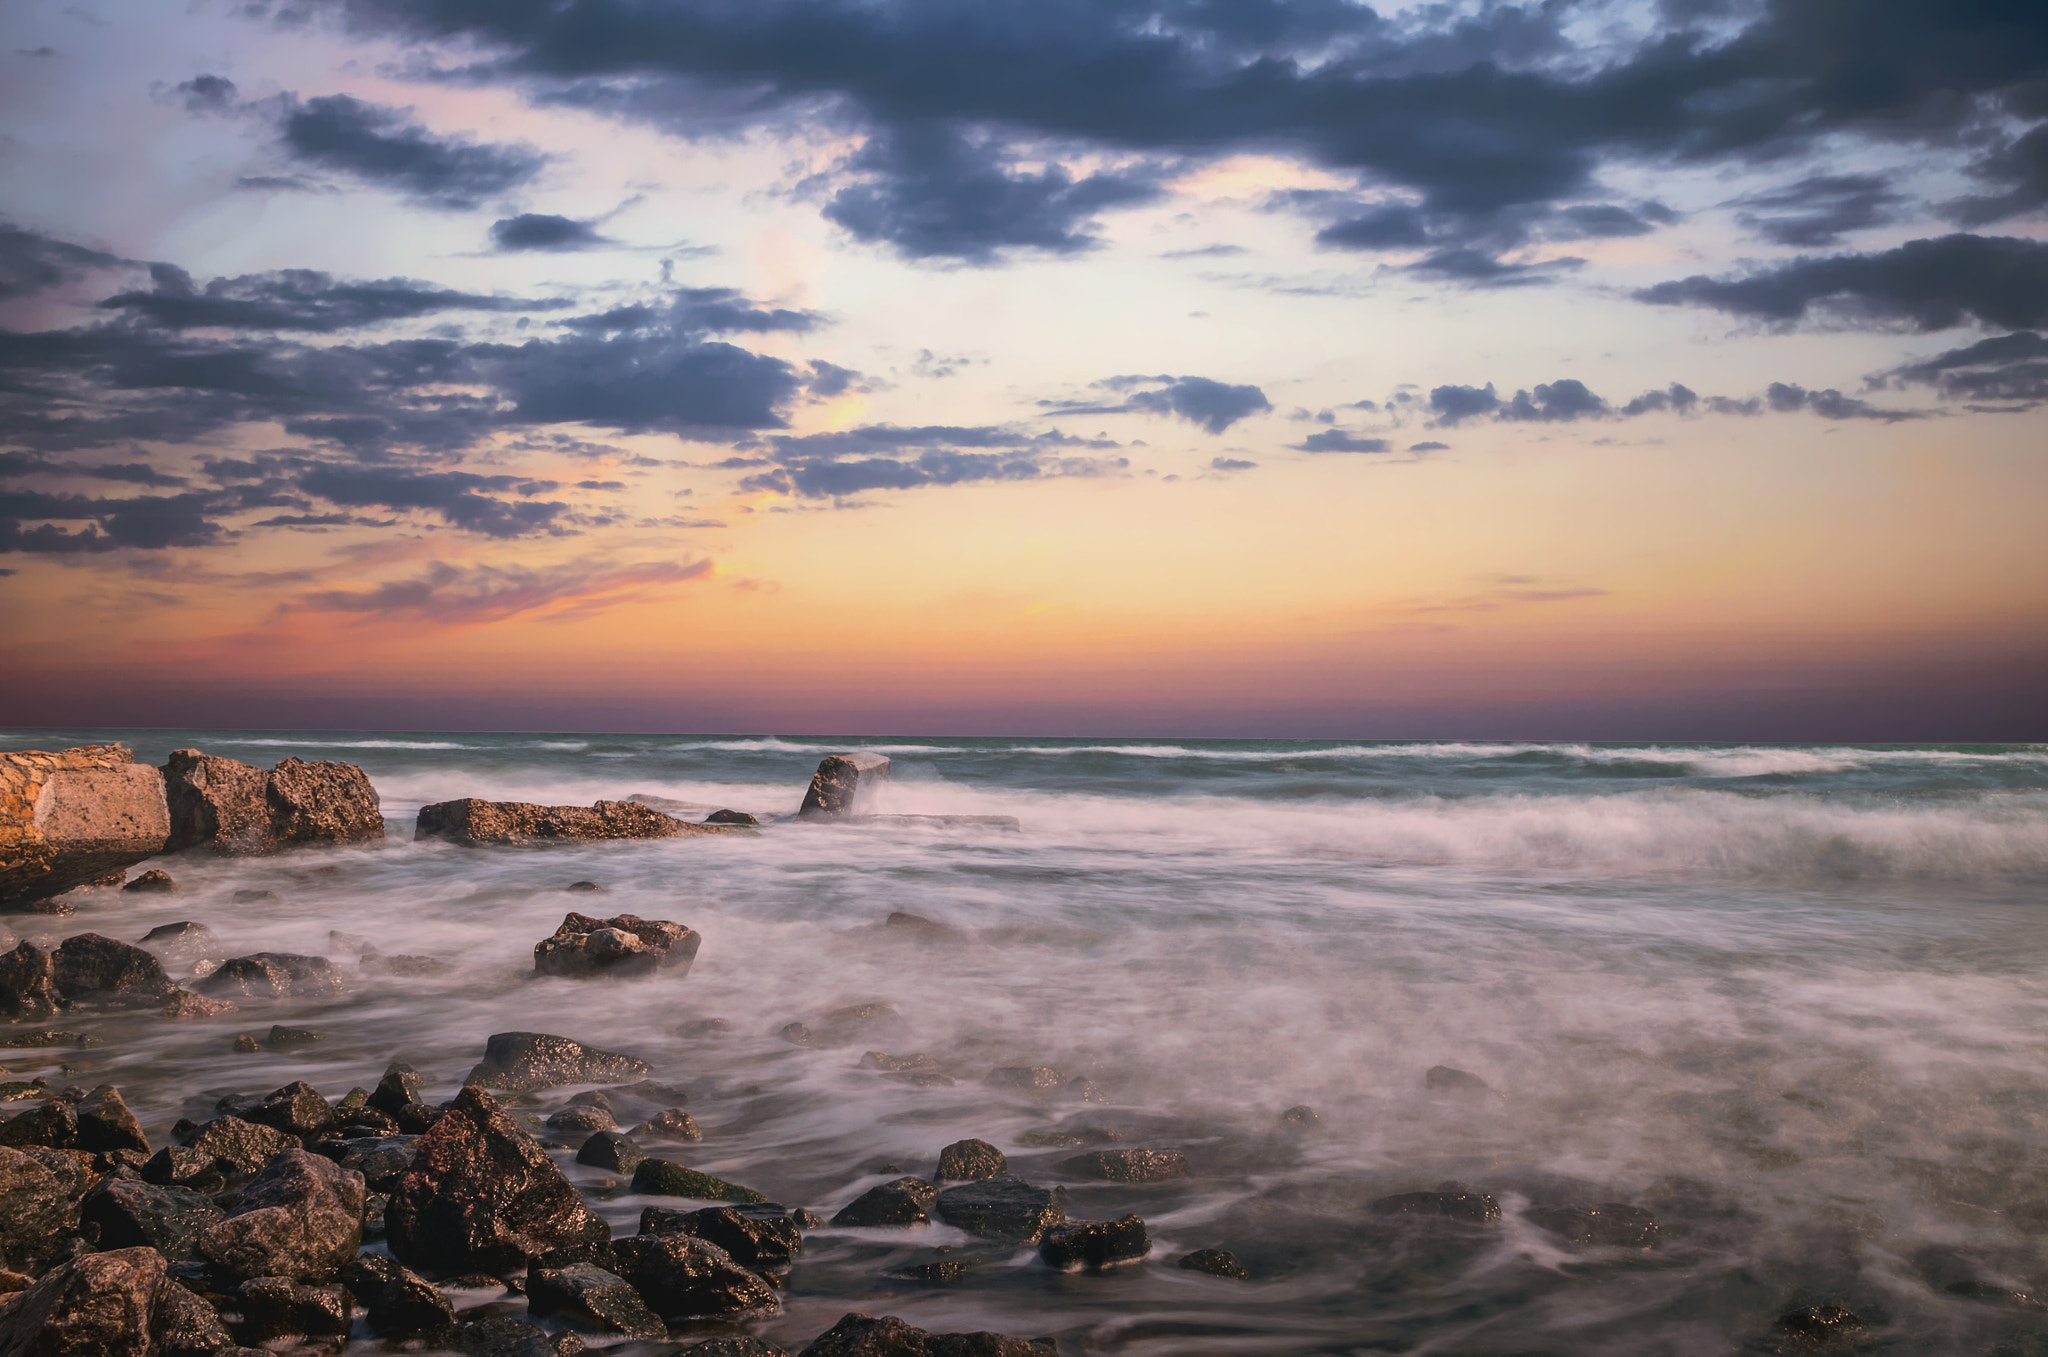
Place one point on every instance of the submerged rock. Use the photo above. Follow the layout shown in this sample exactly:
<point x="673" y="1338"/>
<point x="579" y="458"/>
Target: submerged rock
<point x="859" y="1335"/>
<point x="671" y="1123"/>
<point x="969" y="1161"/>
<point x="477" y="823"/>
<point x="907" y="1201"/>
<point x="764" y="1238"/>
<point x="661" y="1178"/>
<point x="1608" y="1225"/>
<point x="241" y="810"/>
<point x="28" y="983"/>
<point x="1095" y="1244"/>
<point x="1450" y="1201"/>
<point x="624" y="945"/>
<point x="1444" y="1079"/>
<point x="731" y="817"/>
<point x="844" y="785"/>
<point x="520" y="1062"/>
<point x="185" y="1006"/>
<point x="90" y="968"/>
<point x="301" y="1218"/>
<point x="1215" y="1262"/>
<point x="1823" y="1325"/>
<point x="844" y="1026"/>
<point x="183" y="941"/>
<point x="155" y="881"/>
<point x="1128" y="1166"/>
<point x="610" y="1151"/>
<point x="75" y="816"/>
<point x="1035" y="1078"/>
<point x="1006" y="1209"/>
<point x="271" y="975"/>
<point x="683" y="1277"/>
<point x="588" y="1298"/>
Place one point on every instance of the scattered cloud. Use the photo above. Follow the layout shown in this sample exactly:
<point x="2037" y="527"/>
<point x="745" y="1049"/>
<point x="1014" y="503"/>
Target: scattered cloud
<point x="385" y="148"/>
<point x="453" y="595"/>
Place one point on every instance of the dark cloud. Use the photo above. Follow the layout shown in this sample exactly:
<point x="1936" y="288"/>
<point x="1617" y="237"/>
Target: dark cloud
<point x="2010" y="370"/>
<point x="450" y="594"/>
<point x="1554" y="402"/>
<point x="208" y="94"/>
<point x="699" y="310"/>
<point x="1927" y="284"/>
<point x="1677" y="397"/>
<point x="1429" y="447"/>
<point x="1820" y="209"/>
<point x="456" y="495"/>
<point x="1337" y="440"/>
<point x="151" y="522"/>
<point x="544" y="231"/>
<point x="2020" y="171"/>
<point x="894" y="457"/>
<point x="382" y="146"/>
<point x="296" y="299"/>
<point x="1785" y="397"/>
<point x="1201" y="400"/>
<point x="1451" y="404"/>
<point x="1230" y="464"/>
<point x="31" y="262"/>
<point x="1205" y="252"/>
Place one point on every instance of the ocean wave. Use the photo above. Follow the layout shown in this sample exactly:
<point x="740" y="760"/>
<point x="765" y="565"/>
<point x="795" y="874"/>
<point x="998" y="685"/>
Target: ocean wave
<point x="346" y="744"/>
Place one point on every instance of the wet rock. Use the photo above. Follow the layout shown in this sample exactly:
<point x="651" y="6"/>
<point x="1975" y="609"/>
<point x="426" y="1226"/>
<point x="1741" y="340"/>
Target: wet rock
<point x="46" y="1038"/>
<point x="75" y="816"/>
<point x="944" y="1272"/>
<point x="480" y="1194"/>
<point x="274" y="1307"/>
<point x="272" y="975"/>
<point x="284" y="1038"/>
<point x="1006" y="1209"/>
<point x="661" y="1178"/>
<point x="186" y="1326"/>
<point x="246" y="1044"/>
<point x="520" y="1062"/>
<point x="1033" y="1078"/>
<point x="731" y="817"/>
<point x="1047" y="1140"/>
<point x="93" y="969"/>
<point x="844" y="785"/>
<point x="355" y="1122"/>
<point x="129" y="1215"/>
<point x="239" y="1148"/>
<point x="105" y="1123"/>
<point x="154" y="882"/>
<point x="506" y="1336"/>
<point x="705" y="1027"/>
<point x="859" y="1335"/>
<point x="477" y="823"/>
<point x="182" y="1166"/>
<point x="382" y="1160"/>
<point x="806" y="1219"/>
<point x="581" y="1121"/>
<point x="970" y="1160"/>
<point x="917" y="928"/>
<point x="670" y="1124"/>
<point x="610" y="1151"/>
<point x="297" y="1109"/>
<point x="1215" y="1262"/>
<point x="907" y="1201"/>
<point x="1444" y="1079"/>
<point x="1608" y="1225"/>
<point x="735" y="1345"/>
<point x="39" y="1194"/>
<point x="17" y="1090"/>
<point x="1301" y="1114"/>
<point x="1450" y="1201"/>
<point x="1823" y="1326"/>
<point x="397" y="1302"/>
<point x="251" y="897"/>
<point x="28" y="983"/>
<point x="301" y="1218"/>
<point x="587" y="1297"/>
<point x="624" y="945"/>
<point x="401" y="1086"/>
<point x="54" y="1125"/>
<point x="763" y="1238"/>
<point x="401" y="966"/>
<point x="185" y="1006"/>
<point x="1095" y="1244"/>
<point x="240" y="810"/>
<point x="183" y="941"/>
<point x="917" y="1062"/>
<point x="843" y="1026"/>
<point x="98" y="1305"/>
<point x="683" y="1277"/>
<point x="1127" y="1166"/>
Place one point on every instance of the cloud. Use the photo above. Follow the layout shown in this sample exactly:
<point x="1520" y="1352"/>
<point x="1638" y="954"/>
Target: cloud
<point x="457" y="596"/>
<point x="456" y="495"/>
<point x="2005" y="368"/>
<point x="543" y="231"/>
<point x="296" y="299"/>
<point x="1230" y="464"/>
<point x="1820" y="209"/>
<point x="1451" y="404"/>
<point x="1337" y="440"/>
<point x="699" y="310"/>
<point x="1785" y="397"/>
<point x="381" y="146"/>
<point x="1200" y="400"/>
<point x="1429" y="447"/>
<point x="1554" y="402"/>
<point x="31" y="262"/>
<point x="2020" y="168"/>
<point x="894" y="457"/>
<point x="1677" y="397"/>
<point x="151" y="522"/>
<point x="208" y="94"/>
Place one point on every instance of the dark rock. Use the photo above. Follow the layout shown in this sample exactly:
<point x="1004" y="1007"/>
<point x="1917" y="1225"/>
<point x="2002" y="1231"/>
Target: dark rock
<point x="1451" y="1201"/>
<point x="297" y="1109"/>
<point x="240" y="1148"/>
<point x="1048" y="1140"/>
<point x="508" y="1336"/>
<point x="97" y="1305"/>
<point x="670" y="1124"/>
<point x="1609" y="1225"/>
<point x="301" y="1218"/>
<point x="54" y="1125"/>
<point x="1128" y="1166"/>
<point x="520" y="1062"/>
<point x="105" y="1123"/>
<point x="184" y="1006"/>
<point x="241" y="810"/>
<point x="74" y="817"/>
<point x="28" y="983"/>
<point x="681" y="1277"/>
<point x="382" y="1160"/>
<point x="46" y="1038"/>
<point x="1215" y="1262"/>
<point x="662" y="1178"/>
<point x="845" y="784"/>
<point x="907" y="1201"/>
<point x="134" y="1215"/>
<point x="806" y="1219"/>
<point x="584" y="888"/>
<point x="1444" y="1079"/>
<point x="246" y="1044"/>
<point x="271" y="975"/>
<point x="624" y="945"/>
<point x="184" y="941"/>
<point x="917" y="1062"/>
<point x="704" y="1027"/>
<point x="859" y="1335"/>
<point x="417" y="1118"/>
<point x="284" y="1038"/>
<point x="1006" y="1209"/>
<point x="397" y="1302"/>
<point x="153" y="881"/>
<point x="183" y="1166"/>
<point x="1823" y="1325"/>
<point x="842" y="1026"/>
<point x="763" y="1238"/>
<point x="1301" y="1114"/>
<point x="401" y="1085"/>
<point x="587" y="1297"/>
<point x="735" y="1345"/>
<point x="1095" y="1244"/>
<point x="481" y="1194"/>
<point x="611" y="1151"/>
<point x="94" y="969"/>
<point x="970" y="1160"/>
<point x="581" y="1121"/>
<point x="476" y="823"/>
<point x="731" y="817"/>
<point x="251" y="897"/>
<point x="944" y="1272"/>
<point x="1036" y="1078"/>
<point x="358" y="1122"/>
<point x="39" y="1195"/>
<point x="274" y="1307"/>
<point x="186" y="1326"/>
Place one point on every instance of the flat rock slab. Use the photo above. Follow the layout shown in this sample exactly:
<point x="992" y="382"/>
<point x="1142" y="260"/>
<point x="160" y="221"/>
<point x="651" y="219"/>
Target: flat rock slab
<point x="1095" y="1244"/>
<point x="481" y="823"/>
<point x="520" y="1062"/>
<point x="1127" y="1166"/>
<point x="683" y="1277"/>
<point x="75" y="816"/>
<point x="1006" y="1209"/>
<point x="1449" y="1201"/>
<point x="859" y="1335"/>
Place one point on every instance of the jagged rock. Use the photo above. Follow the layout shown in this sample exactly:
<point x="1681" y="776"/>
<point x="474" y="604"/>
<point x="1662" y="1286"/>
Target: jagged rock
<point x="736" y="1345"/>
<point x="400" y="1087"/>
<point x="661" y="1178"/>
<point x="322" y="803"/>
<point x="354" y="1123"/>
<point x="610" y="1151"/>
<point x="185" y="1006"/>
<point x="508" y="1336"/>
<point x="54" y="1126"/>
<point x="731" y="817"/>
<point x="39" y="1195"/>
<point x="106" y="1124"/>
<point x="302" y="1218"/>
<point x="1823" y="1325"/>
<point x="480" y="1194"/>
<point x="28" y="983"/>
<point x="683" y="1277"/>
<point x="588" y="1298"/>
<point x="1127" y="1166"/>
<point x="845" y="784"/>
<point x="520" y="1062"/>
<point x="970" y="1161"/>
<point x="90" y="968"/>
<point x="859" y="1335"/>
<point x="1608" y="1225"/>
<point x="183" y="941"/>
<point x="297" y="1109"/>
<point x="1215" y="1262"/>
<point x="581" y="1121"/>
<point x="155" y="881"/>
<point x="1006" y="1209"/>
<point x="133" y="1215"/>
<point x="1451" y="1201"/>
<point x="75" y="816"/>
<point x="183" y="1166"/>
<point x="397" y="1302"/>
<point x="625" y="945"/>
<point x="907" y="1201"/>
<point x="186" y="1326"/>
<point x="763" y="1238"/>
<point x="477" y="823"/>
<point x="1036" y="1078"/>
<point x="271" y="975"/>
<point x="241" y="810"/>
<point x="1095" y="1244"/>
<point x="670" y="1123"/>
<point x="97" y="1305"/>
<point x="239" y="1148"/>
<point x="274" y="1307"/>
<point x="382" y="1160"/>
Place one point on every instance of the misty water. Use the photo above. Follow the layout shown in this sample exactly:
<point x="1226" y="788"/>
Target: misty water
<point x="1791" y="1000"/>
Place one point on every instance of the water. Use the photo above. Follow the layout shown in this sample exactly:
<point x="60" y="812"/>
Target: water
<point x="1790" y="999"/>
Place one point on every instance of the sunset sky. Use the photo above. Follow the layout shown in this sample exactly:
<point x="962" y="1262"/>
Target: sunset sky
<point x="1235" y="367"/>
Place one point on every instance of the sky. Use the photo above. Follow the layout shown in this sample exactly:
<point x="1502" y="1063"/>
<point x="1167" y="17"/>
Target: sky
<point x="1666" y="369"/>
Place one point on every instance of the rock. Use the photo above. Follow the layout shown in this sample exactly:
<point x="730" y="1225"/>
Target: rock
<point x="322" y="803"/>
<point x="284" y="1038"/>
<point x="705" y="1027"/>
<point x="731" y="817"/>
<point x="480" y="1194"/>
<point x="28" y="983"/>
<point x="945" y="1272"/>
<point x="54" y="1126"/>
<point x="907" y="1201"/>
<point x="1301" y="1114"/>
<point x="1048" y="1140"/>
<point x="670" y="1124"/>
<point x="735" y="1345"/>
<point x="844" y="785"/>
<point x="507" y="1336"/>
<point x="1095" y="1244"/>
<point x="577" y="1122"/>
<point x="129" y="1215"/>
<point x="763" y="1238"/>
<point x="917" y="928"/>
<point x="587" y="1297"/>
<point x="661" y="1178"/>
<point x="610" y="1151"/>
<point x="969" y="1161"/>
<point x="251" y="897"/>
<point x="397" y="1302"/>
<point x="382" y="1160"/>
<point x="859" y="1335"/>
<point x="843" y="1026"/>
<point x="1215" y="1262"/>
<point x="1609" y="1225"/>
<point x="401" y="1086"/>
<point x="186" y="1326"/>
<point x="274" y="1307"/>
<point x="1006" y="1209"/>
<point x="271" y="975"/>
<point x="1037" y="1078"/>
<point x="90" y="968"/>
<point x="404" y="967"/>
<point x="1127" y="1166"/>
<point x="153" y="881"/>
<point x="584" y="888"/>
<point x="183" y="941"/>
<point x="239" y="1148"/>
<point x="917" y="1062"/>
<point x="520" y="1062"/>
<point x="240" y="810"/>
<point x="297" y="1109"/>
<point x="1451" y="1201"/>
<point x="477" y="823"/>
<point x="182" y="1166"/>
<point x="75" y="816"/>
<point x="247" y="1044"/>
<point x="683" y="1277"/>
<point x="105" y="1123"/>
<point x="1823" y="1325"/>
<point x="1444" y="1079"/>
<point x="46" y="1038"/>
<point x="39" y="1195"/>
<point x="98" y="1305"/>
<point x="301" y="1218"/>
<point x="625" y="945"/>
<point x="185" y="1006"/>
<point x="806" y="1219"/>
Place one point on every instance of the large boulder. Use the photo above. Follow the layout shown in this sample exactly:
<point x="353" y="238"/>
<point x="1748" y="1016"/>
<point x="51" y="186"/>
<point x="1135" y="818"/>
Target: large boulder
<point x="906" y="1201"/>
<point x="1128" y="1166"/>
<point x="126" y="1214"/>
<point x="230" y="1147"/>
<point x="683" y="1277"/>
<point x="477" y="823"/>
<point x="520" y="1062"/>
<point x="100" y="1305"/>
<point x="764" y="1238"/>
<point x="1095" y="1244"/>
<point x="75" y="816"/>
<point x="106" y="1123"/>
<point x="481" y="1195"/>
<point x="90" y="968"/>
<point x="301" y="1218"/>
<point x="28" y="983"/>
<point x="624" y="945"/>
<point x="586" y="1297"/>
<point x="968" y="1161"/>
<point x="242" y="811"/>
<point x="39" y="1194"/>
<point x="845" y="784"/>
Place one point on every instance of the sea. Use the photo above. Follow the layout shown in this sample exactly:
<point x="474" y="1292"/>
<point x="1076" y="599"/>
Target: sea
<point x="1788" y="1002"/>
